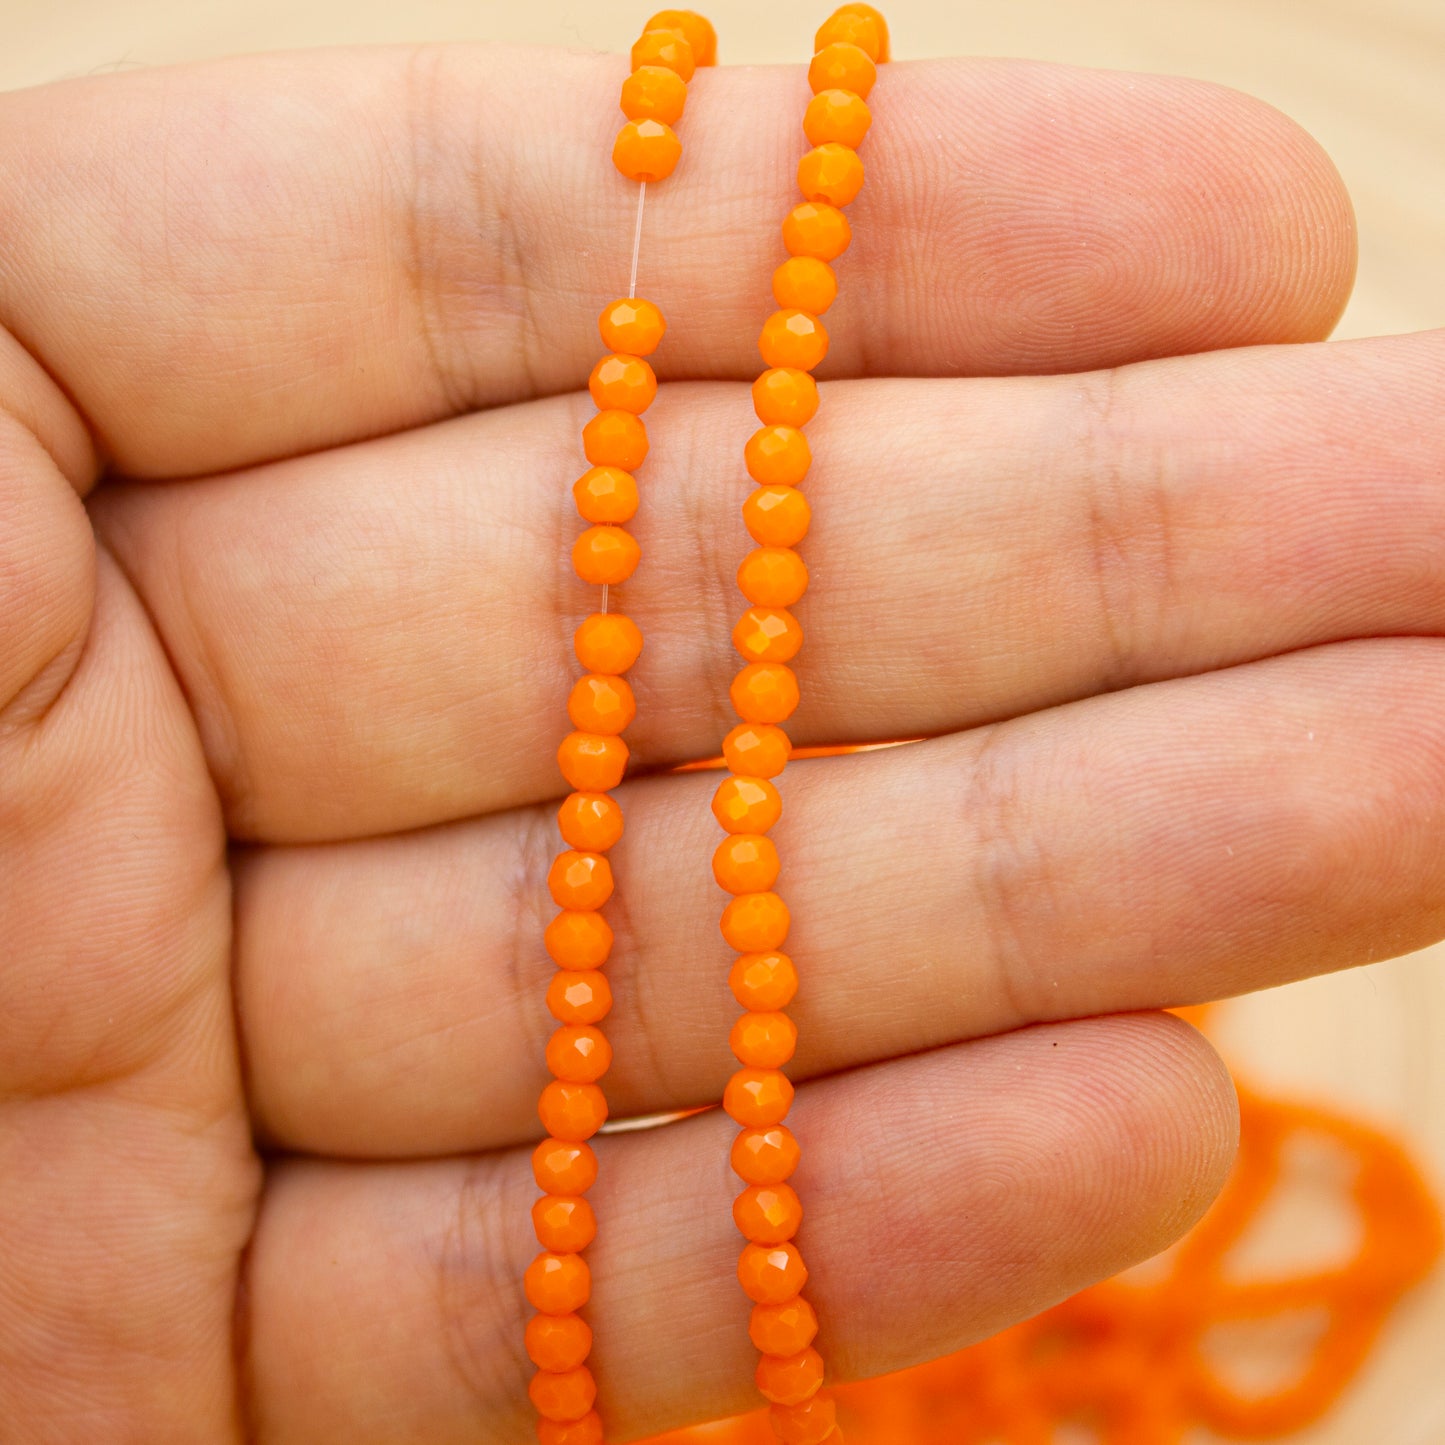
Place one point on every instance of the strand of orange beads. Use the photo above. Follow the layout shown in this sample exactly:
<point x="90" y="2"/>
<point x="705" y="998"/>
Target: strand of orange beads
<point x="850" y="45"/>
<point x="593" y="758"/>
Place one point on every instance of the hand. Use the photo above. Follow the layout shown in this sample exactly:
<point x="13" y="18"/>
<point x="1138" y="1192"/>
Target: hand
<point x="320" y="322"/>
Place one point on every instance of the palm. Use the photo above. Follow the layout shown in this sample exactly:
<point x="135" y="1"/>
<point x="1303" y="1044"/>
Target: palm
<point x="349" y="657"/>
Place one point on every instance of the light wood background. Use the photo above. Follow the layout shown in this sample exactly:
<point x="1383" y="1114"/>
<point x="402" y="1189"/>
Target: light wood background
<point x="1367" y="77"/>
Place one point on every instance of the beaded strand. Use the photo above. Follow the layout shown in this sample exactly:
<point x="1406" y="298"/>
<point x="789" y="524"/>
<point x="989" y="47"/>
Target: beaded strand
<point x="850" y="44"/>
<point x="593" y="758"/>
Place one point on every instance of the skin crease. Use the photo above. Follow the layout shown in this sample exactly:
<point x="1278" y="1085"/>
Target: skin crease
<point x="273" y="825"/>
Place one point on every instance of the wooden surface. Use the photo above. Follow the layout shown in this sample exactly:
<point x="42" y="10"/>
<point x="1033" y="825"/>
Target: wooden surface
<point x="1365" y="76"/>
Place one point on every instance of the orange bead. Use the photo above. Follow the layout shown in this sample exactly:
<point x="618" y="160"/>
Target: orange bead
<point x="756" y="1098"/>
<point x="577" y="940"/>
<point x="623" y="383"/>
<point x="695" y="29"/>
<point x="810" y="1423"/>
<point x="755" y="922"/>
<point x="632" y="325"/>
<point x="772" y="577"/>
<point x="579" y="881"/>
<point x="836" y="115"/>
<point x="615" y="439"/>
<point x="768" y="634"/>
<point x="563" y="1224"/>
<point x="804" y="283"/>
<point x="866" y="12"/>
<point x="586" y="1431"/>
<point x="771" y="1274"/>
<point x="768" y="1213"/>
<point x="790" y="1379"/>
<point x="592" y="762"/>
<point x="816" y="230"/>
<point x="653" y="92"/>
<point x="606" y="556"/>
<point x="785" y="396"/>
<point x="746" y="805"/>
<point x="579" y="1053"/>
<point x="567" y="1395"/>
<point x="764" y="1040"/>
<point x="606" y="494"/>
<point x="756" y="751"/>
<point x="558" y="1342"/>
<point x="607" y="642"/>
<point x="665" y="46"/>
<point x="563" y="1166"/>
<point x="777" y="455"/>
<point x="572" y="1112"/>
<point x="579" y="997"/>
<point x="765" y="692"/>
<point x="783" y="1329"/>
<point x="831" y="173"/>
<point x="777" y="516"/>
<point x="557" y="1284"/>
<point x="603" y="704"/>
<point x="851" y="24"/>
<point x="646" y="150"/>
<point x="765" y="1154"/>
<point x="746" y="863"/>
<point x="591" y="822"/>
<point x="792" y="338"/>
<point x="840" y="65"/>
<point x="764" y="981"/>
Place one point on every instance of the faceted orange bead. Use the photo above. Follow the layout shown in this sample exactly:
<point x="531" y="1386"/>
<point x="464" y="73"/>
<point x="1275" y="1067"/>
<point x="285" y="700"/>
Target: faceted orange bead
<point x="768" y="634"/>
<point x="746" y="805"/>
<point x="785" y="396"/>
<point x="606" y="494"/>
<point x="632" y="325"/>
<point x="592" y="762"/>
<point x="600" y="703"/>
<point x="646" y="150"/>
<point x="563" y="1224"/>
<point x="665" y="46"/>
<point x="777" y="455"/>
<point x="772" y="577"/>
<point x="777" y="516"/>
<point x="746" y="863"/>
<point x="625" y="383"/>
<point x="563" y="1166"/>
<point x="579" y="1053"/>
<point x="836" y="115"/>
<point x="579" y="997"/>
<point x="558" y="1342"/>
<point x="790" y="1379"/>
<point x="783" y="1329"/>
<point x="810" y="1423"/>
<point x="653" y="92"/>
<point x="859" y="25"/>
<point x="765" y="692"/>
<point x="831" y="173"/>
<point x="557" y="1284"/>
<point x="792" y="338"/>
<point x="615" y="439"/>
<point x="752" y="750"/>
<point x="816" y="230"/>
<point x="577" y="940"/>
<point x="755" y="922"/>
<point x="567" y="1395"/>
<point x="591" y="822"/>
<point x="756" y="1098"/>
<point x="586" y="1431"/>
<point x="768" y="1213"/>
<point x="764" y="981"/>
<point x="579" y="881"/>
<point x="840" y="65"/>
<point x="606" y="555"/>
<point x="607" y="642"/>
<point x="764" y="1040"/>
<point x="765" y="1154"/>
<point x="804" y="283"/>
<point x="695" y="28"/>
<point x="771" y="1274"/>
<point x="572" y="1112"/>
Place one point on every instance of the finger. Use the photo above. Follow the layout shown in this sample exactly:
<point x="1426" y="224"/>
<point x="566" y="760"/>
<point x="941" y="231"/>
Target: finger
<point x="1164" y="846"/>
<point x="267" y="256"/>
<point x="369" y="646"/>
<point x="385" y="1302"/>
